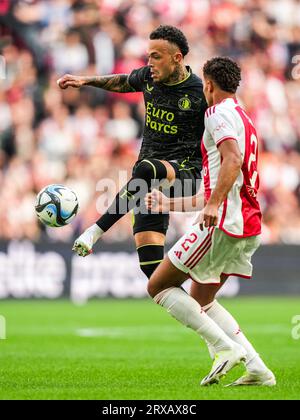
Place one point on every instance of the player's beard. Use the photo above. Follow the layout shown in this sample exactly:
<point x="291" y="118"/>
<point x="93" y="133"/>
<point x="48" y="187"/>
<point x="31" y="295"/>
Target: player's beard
<point x="177" y="75"/>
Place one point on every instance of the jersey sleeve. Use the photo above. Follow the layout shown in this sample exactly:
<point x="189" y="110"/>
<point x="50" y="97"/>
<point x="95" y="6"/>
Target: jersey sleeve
<point x="138" y="78"/>
<point x="221" y="125"/>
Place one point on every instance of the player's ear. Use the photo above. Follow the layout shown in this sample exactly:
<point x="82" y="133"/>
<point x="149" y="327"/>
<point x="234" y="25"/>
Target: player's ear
<point x="210" y="86"/>
<point x="178" y="57"/>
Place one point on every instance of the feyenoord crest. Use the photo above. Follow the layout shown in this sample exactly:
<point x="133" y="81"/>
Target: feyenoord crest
<point x="184" y="103"/>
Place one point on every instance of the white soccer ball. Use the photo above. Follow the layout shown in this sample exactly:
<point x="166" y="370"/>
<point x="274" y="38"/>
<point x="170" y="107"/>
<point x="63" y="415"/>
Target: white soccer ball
<point x="56" y="205"/>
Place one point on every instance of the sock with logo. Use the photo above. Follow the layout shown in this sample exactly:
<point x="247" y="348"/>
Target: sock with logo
<point x="230" y="326"/>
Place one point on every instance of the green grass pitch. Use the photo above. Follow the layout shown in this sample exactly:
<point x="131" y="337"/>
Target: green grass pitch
<point x="131" y="349"/>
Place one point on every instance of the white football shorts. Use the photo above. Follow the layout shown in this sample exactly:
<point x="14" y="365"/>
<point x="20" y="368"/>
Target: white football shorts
<point x="206" y="255"/>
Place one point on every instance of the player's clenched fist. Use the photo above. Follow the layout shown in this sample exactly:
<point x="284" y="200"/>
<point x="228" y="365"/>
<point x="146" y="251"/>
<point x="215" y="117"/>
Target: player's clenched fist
<point x="68" y="80"/>
<point x="209" y="216"/>
<point x="157" y="202"/>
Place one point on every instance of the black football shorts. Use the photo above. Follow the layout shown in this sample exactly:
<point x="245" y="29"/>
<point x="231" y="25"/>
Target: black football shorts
<point x="190" y="177"/>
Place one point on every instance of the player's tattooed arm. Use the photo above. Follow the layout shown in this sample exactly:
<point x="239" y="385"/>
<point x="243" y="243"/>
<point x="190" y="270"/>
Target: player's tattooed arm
<point x="113" y="83"/>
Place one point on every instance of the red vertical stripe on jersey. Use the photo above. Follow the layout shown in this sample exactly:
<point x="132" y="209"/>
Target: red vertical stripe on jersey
<point x="223" y="214"/>
<point x="205" y="171"/>
<point x="250" y="206"/>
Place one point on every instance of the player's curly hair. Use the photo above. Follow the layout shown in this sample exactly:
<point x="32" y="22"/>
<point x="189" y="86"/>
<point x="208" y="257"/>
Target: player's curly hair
<point x="173" y="35"/>
<point x="225" y="72"/>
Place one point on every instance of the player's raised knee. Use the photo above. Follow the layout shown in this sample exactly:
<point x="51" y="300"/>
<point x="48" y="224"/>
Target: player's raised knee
<point x="149" y="169"/>
<point x="144" y="170"/>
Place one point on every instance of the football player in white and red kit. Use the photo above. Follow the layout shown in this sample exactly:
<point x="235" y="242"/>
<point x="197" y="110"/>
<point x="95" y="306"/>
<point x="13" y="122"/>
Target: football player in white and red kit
<point x="228" y="232"/>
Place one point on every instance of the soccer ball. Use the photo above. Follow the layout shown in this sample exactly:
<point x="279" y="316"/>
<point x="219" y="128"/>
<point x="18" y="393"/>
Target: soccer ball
<point x="56" y="205"/>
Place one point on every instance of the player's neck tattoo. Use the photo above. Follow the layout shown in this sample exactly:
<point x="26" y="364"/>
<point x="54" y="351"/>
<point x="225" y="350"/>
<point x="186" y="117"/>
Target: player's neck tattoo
<point x="180" y="73"/>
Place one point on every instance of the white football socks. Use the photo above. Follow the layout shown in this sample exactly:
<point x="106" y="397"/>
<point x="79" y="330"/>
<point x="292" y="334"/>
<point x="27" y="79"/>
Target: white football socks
<point x="94" y="232"/>
<point x="187" y="311"/>
<point x="230" y="326"/>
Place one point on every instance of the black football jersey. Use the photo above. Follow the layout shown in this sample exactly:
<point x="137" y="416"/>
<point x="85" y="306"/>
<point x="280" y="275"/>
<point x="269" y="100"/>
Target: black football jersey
<point x="174" y="118"/>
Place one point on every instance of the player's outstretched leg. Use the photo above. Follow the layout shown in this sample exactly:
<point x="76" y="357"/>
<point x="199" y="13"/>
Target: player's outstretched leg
<point x="147" y="173"/>
<point x="257" y="373"/>
<point x="164" y="288"/>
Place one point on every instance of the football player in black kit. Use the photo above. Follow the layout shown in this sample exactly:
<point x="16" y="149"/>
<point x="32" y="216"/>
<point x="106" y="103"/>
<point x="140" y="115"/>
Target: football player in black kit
<point x="174" y="124"/>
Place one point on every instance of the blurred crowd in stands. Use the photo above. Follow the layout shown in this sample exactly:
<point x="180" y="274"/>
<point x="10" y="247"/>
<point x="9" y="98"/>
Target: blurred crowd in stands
<point x="79" y="137"/>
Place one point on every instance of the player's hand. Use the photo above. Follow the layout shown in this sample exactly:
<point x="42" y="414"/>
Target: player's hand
<point x="157" y="202"/>
<point x="68" y="80"/>
<point x="209" y="216"/>
<point x="199" y="219"/>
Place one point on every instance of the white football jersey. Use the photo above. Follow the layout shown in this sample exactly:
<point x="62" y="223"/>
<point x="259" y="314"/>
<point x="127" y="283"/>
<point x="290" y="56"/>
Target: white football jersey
<point x="240" y="214"/>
